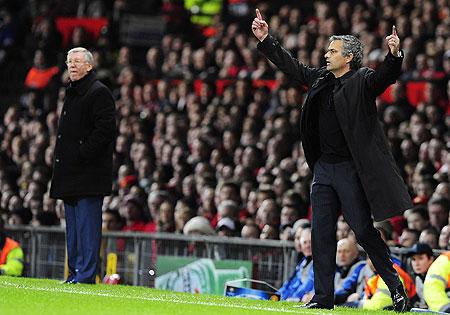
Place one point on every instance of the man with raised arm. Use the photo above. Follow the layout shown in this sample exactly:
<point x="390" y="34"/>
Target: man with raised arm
<point x="347" y="151"/>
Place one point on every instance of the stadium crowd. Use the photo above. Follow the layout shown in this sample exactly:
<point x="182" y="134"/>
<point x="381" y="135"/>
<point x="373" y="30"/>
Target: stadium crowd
<point x="208" y="134"/>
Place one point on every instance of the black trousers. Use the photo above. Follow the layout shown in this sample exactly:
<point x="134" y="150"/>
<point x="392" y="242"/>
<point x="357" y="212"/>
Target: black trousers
<point x="336" y="187"/>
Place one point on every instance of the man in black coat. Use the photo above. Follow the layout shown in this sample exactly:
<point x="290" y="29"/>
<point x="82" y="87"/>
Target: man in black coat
<point x="82" y="166"/>
<point x="347" y="151"/>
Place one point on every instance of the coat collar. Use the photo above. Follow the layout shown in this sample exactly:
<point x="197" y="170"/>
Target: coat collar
<point x="81" y="86"/>
<point x="346" y="76"/>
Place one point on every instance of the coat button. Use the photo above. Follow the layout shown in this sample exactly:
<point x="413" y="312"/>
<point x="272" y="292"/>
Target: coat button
<point x="59" y="136"/>
<point x="57" y="160"/>
<point x="81" y="141"/>
<point x="64" y="113"/>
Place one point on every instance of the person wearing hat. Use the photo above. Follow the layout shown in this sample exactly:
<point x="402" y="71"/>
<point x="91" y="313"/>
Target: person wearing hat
<point x="11" y="255"/>
<point x="226" y="227"/>
<point x="421" y="256"/>
<point x="436" y="284"/>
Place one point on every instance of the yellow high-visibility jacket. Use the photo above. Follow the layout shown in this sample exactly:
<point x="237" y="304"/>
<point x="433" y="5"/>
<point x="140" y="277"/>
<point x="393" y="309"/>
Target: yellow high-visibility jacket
<point x="437" y="283"/>
<point x="11" y="258"/>
<point x="377" y="294"/>
<point x="203" y="11"/>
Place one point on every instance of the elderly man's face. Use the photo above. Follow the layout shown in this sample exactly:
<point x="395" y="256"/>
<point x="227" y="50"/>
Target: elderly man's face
<point x="346" y="252"/>
<point x="77" y="65"/>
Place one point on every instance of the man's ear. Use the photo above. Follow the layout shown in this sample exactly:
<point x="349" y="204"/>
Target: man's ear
<point x="349" y="58"/>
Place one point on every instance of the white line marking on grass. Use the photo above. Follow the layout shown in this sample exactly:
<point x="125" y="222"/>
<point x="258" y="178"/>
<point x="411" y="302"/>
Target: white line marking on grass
<point x="248" y="307"/>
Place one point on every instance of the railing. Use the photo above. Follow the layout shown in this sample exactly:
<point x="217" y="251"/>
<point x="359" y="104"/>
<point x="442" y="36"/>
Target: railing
<point x="137" y="253"/>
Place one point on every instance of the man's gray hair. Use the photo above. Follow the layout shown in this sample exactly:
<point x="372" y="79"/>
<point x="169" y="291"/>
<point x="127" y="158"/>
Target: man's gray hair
<point x="351" y="45"/>
<point x="87" y="54"/>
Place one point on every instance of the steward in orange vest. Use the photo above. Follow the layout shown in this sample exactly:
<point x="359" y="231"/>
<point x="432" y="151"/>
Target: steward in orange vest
<point x="11" y="255"/>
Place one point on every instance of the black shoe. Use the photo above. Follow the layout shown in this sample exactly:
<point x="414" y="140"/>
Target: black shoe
<point x="400" y="300"/>
<point x="69" y="281"/>
<point x="313" y="305"/>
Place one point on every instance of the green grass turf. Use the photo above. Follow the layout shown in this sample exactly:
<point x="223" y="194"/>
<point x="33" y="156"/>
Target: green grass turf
<point x="21" y="296"/>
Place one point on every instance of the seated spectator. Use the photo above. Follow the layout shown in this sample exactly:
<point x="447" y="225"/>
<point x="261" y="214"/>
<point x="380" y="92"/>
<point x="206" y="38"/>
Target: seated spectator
<point x="182" y="215"/>
<point x="444" y="237"/>
<point x="421" y="256"/>
<point x="408" y="237"/>
<point x="430" y="236"/>
<point x="250" y="230"/>
<point x="166" y="218"/>
<point x="438" y="209"/>
<point x="133" y="213"/>
<point x="377" y="294"/>
<point x="269" y="232"/>
<point x="226" y="227"/>
<point x="111" y="220"/>
<point x="343" y="229"/>
<point x="418" y="218"/>
<point x="39" y="77"/>
<point x="198" y="226"/>
<point x="301" y="281"/>
<point x="286" y="232"/>
<point x="11" y="255"/>
<point x="349" y="266"/>
<point x="436" y="283"/>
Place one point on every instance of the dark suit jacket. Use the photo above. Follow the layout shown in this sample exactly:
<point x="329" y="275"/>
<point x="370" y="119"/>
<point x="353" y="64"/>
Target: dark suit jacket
<point x="357" y="115"/>
<point x="82" y="164"/>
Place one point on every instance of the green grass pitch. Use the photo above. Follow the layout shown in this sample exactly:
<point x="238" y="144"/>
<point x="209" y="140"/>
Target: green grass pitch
<point x="22" y="296"/>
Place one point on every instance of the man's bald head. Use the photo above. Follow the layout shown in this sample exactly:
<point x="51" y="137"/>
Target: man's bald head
<point x="347" y="252"/>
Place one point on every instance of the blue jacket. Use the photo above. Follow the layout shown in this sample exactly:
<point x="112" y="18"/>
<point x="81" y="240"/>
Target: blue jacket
<point x="301" y="282"/>
<point x="350" y="283"/>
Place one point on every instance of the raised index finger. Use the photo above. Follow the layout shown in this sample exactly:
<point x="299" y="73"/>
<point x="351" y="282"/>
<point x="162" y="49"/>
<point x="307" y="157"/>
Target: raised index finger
<point x="258" y="14"/>
<point x="394" y="30"/>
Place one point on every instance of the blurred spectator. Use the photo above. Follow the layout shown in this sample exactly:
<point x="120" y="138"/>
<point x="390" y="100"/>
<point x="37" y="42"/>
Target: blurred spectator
<point x="438" y="210"/>
<point x="409" y="237"/>
<point x="198" y="226"/>
<point x="111" y="220"/>
<point x="226" y="227"/>
<point x="444" y="237"/>
<point x="430" y="236"/>
<point x="250" y="230"/>
<point x="417" y="218"/>
<point x="421" y="256"/>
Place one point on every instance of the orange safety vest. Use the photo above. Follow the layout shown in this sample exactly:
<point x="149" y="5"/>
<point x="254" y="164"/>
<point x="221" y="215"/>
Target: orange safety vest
<point x="10" y="244"/>
<point x="372" y="283"/>
<point x="40" y="78"/>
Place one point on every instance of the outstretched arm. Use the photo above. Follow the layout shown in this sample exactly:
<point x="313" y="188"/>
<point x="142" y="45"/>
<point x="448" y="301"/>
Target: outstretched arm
<point x="272" y="49"/>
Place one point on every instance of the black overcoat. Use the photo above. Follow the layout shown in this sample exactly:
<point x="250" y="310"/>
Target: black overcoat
<point x="82" y="163"/>
<point x="357" y="115"/>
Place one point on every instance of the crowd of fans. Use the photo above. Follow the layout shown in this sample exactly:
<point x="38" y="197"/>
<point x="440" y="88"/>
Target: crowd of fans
<point x="193" y="157"/>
